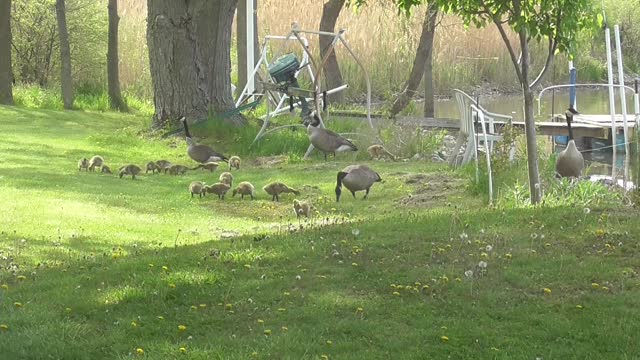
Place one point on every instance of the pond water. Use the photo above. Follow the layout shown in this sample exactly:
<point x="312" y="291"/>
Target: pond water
<point x="589" y="101"/>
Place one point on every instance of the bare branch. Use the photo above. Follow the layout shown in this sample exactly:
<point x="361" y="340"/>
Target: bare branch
<point x="505" y="38"/>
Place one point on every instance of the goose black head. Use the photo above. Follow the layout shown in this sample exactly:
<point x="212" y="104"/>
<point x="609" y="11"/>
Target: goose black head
<point x="311" y="120"/>
<point x="570" y="112"/>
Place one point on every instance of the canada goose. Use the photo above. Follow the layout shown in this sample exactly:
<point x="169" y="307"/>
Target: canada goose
<point x="197" y="187"/>
<point x="95" y="161"/>
<point x="163" y="165"/>
<point x="83" y="164"/>
<point x="244" y="188"/>
<point x="377" y="152"/>
<point x="356" y="178"/>
<point x="130" y="169"/>
<point x="152" y="166"/>
<point x="301" y="208"/>
<point x="200" y="153"/>
<point x="326" y="140"/>
<point x="234" y="162"/>
<point x="178" y="169"/>
<point x="276" y="188"/>
<point x="219" y="189"/>
<point x="105" y="169"/>
<point x="226" y="178"/>
<point x="211" y="166"/>
<point x="570" y="161"/>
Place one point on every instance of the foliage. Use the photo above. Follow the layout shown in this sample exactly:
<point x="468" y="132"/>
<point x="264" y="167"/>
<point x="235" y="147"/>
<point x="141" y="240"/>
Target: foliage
<point x="95" y="267"/>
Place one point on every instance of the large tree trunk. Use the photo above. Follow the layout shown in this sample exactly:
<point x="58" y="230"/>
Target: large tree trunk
<point x="530" y="125"/>
<point x="429" y="91"/>
<point x="65" y="56"/>
<point x="330" y="12"/>
<point x="6" y="77"/>
<point x="423" y="55"/>
<point x="190" y="57"/>
<point x="113" y="77"/>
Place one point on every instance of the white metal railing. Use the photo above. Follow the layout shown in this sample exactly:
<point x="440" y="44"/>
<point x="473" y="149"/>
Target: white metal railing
<point x="481" y="114"/>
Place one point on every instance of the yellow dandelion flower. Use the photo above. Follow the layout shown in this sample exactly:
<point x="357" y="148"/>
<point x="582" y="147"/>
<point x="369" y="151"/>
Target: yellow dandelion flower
<point x="444" y="338"/>
<point x="267" y="332"/>
<point x="533" y="251"/>
<point x="172" y="286"/>
<point x="286" y="293"/>
<point x="255" y="353"/>
<point x="160" y="317"/>
<point x="203" y="306"/>
<point x="4" y="327"/>
<point x="359" y="309"/>
<point x="604" y="288"/>
<point x="282" y="309"/>
<point x="595" y="285"/>
<point x="343" y="242"/>
<point x="508" y="255"/>
<point x="495" y="348"/>
<point x="579" y="307"/>
<point x="285" y="329"/>
<point x="458" y="279"/>
<point x="354" y="264"/>
<point x="329" y="342"/>
<point x="183" y="350"/>
<point x="324" y="357"/>
<point x="229" y="307"/>
<point x="484" y="255"/>
<point x="193" y="307"/>
<point x="68" y="309"/>
<point x="396" y="293"/>
<point x="5" y="286"/>
<point x="165" y="268"/>
<point x="151" y="265"/>
<point x="139" y="351"/>
<point x="547" y="244"/>
<point x="547" y="290"/>
<point x="182" y="327"/>
<point x="393" y="286"/>
<point x="134" y="324"/>
<point x="260" y="321"/>
<point x="443" y="327"/>
<point x="17" y="304"/>
<point x="247" y="266"/>
<point x="21" y="277"/>
<point x="425" y="287"/>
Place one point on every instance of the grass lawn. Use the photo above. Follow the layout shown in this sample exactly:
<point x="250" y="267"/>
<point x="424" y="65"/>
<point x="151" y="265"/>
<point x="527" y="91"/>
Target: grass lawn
<point x="96" y="267"/>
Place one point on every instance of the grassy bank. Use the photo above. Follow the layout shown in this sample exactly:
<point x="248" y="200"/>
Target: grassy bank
<point x="95" y="267"/>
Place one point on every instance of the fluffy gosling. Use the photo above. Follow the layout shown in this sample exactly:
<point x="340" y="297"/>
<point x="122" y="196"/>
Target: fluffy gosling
<point x="96" y="161"/>
<point x="244" y="188"/>
<point x="197" y="187"/>
<point x="219" y="189"/>
<point x="234" y="162"/>
<point x="83" y="164"/>
<point x="226" y="178"/>
<point x="276" y="188"/>
<point x="302" y="208"/>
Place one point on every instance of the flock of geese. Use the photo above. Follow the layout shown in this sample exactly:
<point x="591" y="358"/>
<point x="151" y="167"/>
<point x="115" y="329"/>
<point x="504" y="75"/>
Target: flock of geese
<point x="353" y="177"/>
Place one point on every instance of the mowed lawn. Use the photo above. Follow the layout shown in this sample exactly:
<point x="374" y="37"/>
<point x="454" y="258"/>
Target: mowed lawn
<point x="97" y="267"/>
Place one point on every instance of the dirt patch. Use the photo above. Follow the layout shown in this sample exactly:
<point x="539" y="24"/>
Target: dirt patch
<point x="271" y="160"/>
<point x="430" y="189"/>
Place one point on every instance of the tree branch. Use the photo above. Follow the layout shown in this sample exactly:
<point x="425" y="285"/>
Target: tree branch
<point x="505" y="38"/>
<point x="548" y="63"/>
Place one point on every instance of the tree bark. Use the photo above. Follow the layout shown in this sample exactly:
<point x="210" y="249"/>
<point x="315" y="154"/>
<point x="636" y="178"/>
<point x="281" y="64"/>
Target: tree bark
<point x="333" y="75"/>
<point x="6" y="77"/>
<point x="65" y="56"/>
<point x="429" y="91"/>
<point x="423" y="55"/>
<point x="529" y="122"/>
<point x="113" y="74"/>
<point x="190" y="59"/>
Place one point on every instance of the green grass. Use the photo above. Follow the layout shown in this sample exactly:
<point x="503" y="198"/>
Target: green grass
<point x="83" y="254"/>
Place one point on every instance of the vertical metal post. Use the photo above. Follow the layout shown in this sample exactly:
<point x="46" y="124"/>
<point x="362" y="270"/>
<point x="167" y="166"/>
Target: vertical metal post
<point x="623" y="99"/>
<point x="251" y="86"/>
<point x="612" y="103"/>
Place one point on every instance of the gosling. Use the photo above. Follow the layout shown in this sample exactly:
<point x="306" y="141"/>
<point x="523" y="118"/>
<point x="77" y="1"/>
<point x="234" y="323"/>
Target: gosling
<point x="178" y="169"/>
<point x="377" y="152"/>
<point x="163" y="165"/>
<point x="244" y="188"/>
<point x="301" y="208"/>
<point x="276" y="188"/>
<point x="226" y="178"/>
<point x="197" y="187"/>
<point x="211" y="166"/>
<point x="219" y="189"/>
<point x="83" y="164"/>
<point x="95" y="161"/>
<point x="105" y="169"/>
<point x="152" y="166"/>
<point x="234" y="162"/>
<point x="130" y="169"/>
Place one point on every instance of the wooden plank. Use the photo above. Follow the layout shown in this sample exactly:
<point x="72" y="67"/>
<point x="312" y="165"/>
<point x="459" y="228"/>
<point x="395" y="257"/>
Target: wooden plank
<point x="445" y="123"/>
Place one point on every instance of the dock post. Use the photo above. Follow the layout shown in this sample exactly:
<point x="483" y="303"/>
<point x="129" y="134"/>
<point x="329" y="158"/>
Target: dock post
<point x="612" y="102"/>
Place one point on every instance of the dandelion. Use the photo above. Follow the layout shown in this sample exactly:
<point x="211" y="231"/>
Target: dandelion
<point x="255" y="353"/>
<point x="547" y="290"/>
<point x="68" y="309"/>
<point x="285" y="329"/>
<point x="260" y="321"/>
<point x="425" y="287"/>
<point x="547" y="244"/>
<point x="458" y="279"/>
<point x="495" y="348"/>
<point x="165" y="268"/>
<point x="134" y="324"/>
<point x="182" y="327"/>
<point x="489" y="248"/>
<point x="282" y="309"/>
<point x="139" y="351"/>
<point x="324" y="357"/>
<point x="359" y="309"/>
<point x="21" y="277"/>
<point x="604" y="288"/>
<point x="172" y="286"/>
<point x="151" y="265"/>
<point x="202" y="306"/>
<point x="183" y="350"/>
<point x="468" y="274"/>
<point x="508" y="255"/>
<point x="229" y="306"/>
<point x="444" y="338"/>
<point x="4" y="327"/>
<point x="396" y="293"/>
<point x="464" y="236"/>
<point x="193" y="307"/>
<point x="17" y="304"/>
<point x="298" y="277"/>
<point x="160" y="317"/>
<point x="5" y="286"/>
<point x="580" y="307"/>
<point x="267" y="332"/>
<point x="329" y="342"/>
<point x="247" y="266"/>
<point x="482" y="264"/>
<point x="586" y="211"/>
<point x="484" y="255"/>
<point x="354" y="264"/>
<point x="286" y="293"/>
<point x="534" y="236"/>
<point x="595" y="285"/>
<point x="533" y="251"/>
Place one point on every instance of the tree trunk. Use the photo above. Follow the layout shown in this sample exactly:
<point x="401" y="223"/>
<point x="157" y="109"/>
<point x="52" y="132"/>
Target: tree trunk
<point x="429" y="91"/>
<point x="330" y="12"/>
<point x="190" y="59"/>
<point x="241" y="49"/>
<point x="530" y="125"/>
<point x="423" y="55"/>
<point x="65" y="56"/>
<point x="113" y="77"/>
<point x="6" y="77"/>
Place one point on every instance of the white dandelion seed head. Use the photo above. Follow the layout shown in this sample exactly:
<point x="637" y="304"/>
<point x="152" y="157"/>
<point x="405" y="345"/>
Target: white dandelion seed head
<point x="537" y="186"/>
<point x="355" y="232"/>
<point x="541" y="236"/>
<point x="298" y="277"/>
<point x="534" y="236"/>
<point x="482" y="264"/>
<point x="464" y="236"/>
<point x="468" y="273"/>
<point x="489" y="248"/>
<point x="586" y="211"/>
